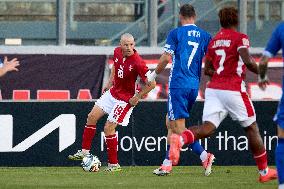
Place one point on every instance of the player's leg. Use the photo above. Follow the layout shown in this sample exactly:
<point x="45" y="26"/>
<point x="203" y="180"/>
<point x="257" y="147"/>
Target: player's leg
<point x="206" y="158"/>
<point x="177" y="112"/>
<point x="111" y="143"/>
<point x="279" y="152"/>
<point x="88" y="133"/>
<point x="119" y="114"/>
<point x="189" y="136"/>
<point x="166" y="166"/>
<point x="241" y="108"/>
<point x="259" y="153"/>
<point x="103" y="105"/>
<point x="213" y="114"/>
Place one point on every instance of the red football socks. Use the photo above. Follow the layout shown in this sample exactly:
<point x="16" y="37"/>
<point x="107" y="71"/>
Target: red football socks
<point x="261" y="160"/>
<point x="111" y="142"/>
<point x="88" y="135"/>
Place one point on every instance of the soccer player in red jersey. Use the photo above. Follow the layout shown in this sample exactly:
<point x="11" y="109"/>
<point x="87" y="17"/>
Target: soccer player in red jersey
<point x="226" y="62"/>
<point x="118" y="99"/>
<point x="8" y="66"/>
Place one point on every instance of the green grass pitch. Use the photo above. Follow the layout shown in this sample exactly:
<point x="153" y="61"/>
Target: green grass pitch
<point x="190" y="177"/>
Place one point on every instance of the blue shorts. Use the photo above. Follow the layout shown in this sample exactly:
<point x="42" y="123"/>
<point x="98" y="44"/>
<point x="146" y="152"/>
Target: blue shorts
<point x="279" y="116"/>
<point x="180" y="102"/>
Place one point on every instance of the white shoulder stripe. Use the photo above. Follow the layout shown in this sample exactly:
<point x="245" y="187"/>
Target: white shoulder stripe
<point x="241" y="47"/>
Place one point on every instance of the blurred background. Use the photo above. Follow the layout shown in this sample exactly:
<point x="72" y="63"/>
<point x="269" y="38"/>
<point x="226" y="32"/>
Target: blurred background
<point x="74" y="38"/>
<point x="101" y="22"/>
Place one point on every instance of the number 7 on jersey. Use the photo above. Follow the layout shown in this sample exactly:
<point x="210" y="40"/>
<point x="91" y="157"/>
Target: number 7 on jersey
<point x="195" y="46"/>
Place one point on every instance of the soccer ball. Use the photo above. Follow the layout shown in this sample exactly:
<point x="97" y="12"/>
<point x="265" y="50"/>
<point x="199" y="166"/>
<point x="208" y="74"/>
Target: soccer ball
<point x="91" y="163"/>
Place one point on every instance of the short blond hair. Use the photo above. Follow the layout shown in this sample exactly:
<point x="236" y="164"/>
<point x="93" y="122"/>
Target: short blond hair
<point x="126" y="36"/>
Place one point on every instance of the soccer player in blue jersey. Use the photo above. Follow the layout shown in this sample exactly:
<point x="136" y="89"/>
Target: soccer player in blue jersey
<point x="275" y="43"/>
<point x="186" y="46"/>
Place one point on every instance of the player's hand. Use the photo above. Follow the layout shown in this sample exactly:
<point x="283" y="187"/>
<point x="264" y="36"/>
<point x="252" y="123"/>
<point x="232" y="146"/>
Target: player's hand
<point x="11" y="65"/>
<point x="262" y="83"/>
<point x="134" y="100"/>
<point x="105" y="90"/>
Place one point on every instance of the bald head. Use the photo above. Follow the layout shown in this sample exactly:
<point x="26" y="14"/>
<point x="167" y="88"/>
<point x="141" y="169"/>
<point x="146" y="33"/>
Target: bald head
<point x="127" y="44"/>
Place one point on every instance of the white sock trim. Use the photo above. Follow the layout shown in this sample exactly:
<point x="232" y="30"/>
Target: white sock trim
<point x="263" y="172"/>
<point x="281" y="186"/>
<point x="203" y="156"/>
<point x="85" y="151"/>
<point x="167" y="162"/>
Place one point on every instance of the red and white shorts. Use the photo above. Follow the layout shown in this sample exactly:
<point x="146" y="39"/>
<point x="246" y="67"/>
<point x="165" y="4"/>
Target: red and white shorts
<point x="219" y="103"/>
<point x="118" y="111"/>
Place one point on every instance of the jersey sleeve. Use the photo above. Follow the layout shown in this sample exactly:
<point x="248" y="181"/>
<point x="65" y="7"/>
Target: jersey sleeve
<point x="142" y="70"/>
<point x="274" y="44"/>
<point x="242" y="42"/>
<point x="171" y="43"/>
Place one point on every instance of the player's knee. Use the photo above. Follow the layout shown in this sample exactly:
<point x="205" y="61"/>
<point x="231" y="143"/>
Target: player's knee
<point x="92" y="119"/>
<point x="208" y="129"/>
<point x="253" y="128"/>
<point x="109" y="129"/>
<point x="280" y="132"/>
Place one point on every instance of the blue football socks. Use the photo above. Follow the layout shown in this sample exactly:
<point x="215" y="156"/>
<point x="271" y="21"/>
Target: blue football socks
<point x="196" y="148"/>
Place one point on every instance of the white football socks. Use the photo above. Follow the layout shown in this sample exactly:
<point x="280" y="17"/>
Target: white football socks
<point x="263" y="172"/>
<point x="203" y="156"/>
<point x="167" y="162"/>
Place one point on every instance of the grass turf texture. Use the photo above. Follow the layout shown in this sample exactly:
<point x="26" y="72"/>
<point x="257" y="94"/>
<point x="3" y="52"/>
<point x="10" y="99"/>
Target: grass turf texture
<point x="131" y="177"/>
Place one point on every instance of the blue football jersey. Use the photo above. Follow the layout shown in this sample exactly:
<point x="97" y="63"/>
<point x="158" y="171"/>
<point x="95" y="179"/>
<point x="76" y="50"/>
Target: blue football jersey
<point x="276" y="41"/>
<point x="187" y="45"/>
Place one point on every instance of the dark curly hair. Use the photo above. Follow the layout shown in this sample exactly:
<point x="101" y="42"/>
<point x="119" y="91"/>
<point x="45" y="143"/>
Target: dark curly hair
<point x="228" y="17"/>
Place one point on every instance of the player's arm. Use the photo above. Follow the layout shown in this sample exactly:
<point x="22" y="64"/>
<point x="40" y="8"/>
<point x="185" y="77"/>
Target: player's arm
<point x="9" y="66"/>
<point x="248" y="60"/>
<point x="163" y="61"/>
<point x="263" y="79"/>
<point x="169" y="50"/>
<point x="209" y="69"/>
<point x="145" y="90"/>
<point x="110" y="81"/>
<point x="273" y="46"/>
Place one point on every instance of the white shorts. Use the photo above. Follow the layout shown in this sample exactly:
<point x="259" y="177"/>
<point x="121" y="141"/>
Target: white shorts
<point x="219" y="103"/>
<point x="118" y="111"/>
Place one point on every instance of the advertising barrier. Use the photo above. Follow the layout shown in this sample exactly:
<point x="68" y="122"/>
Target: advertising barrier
<point x="68" y="76"/>
<point x="51" y="76"/>
<point x="45" y="133"/>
